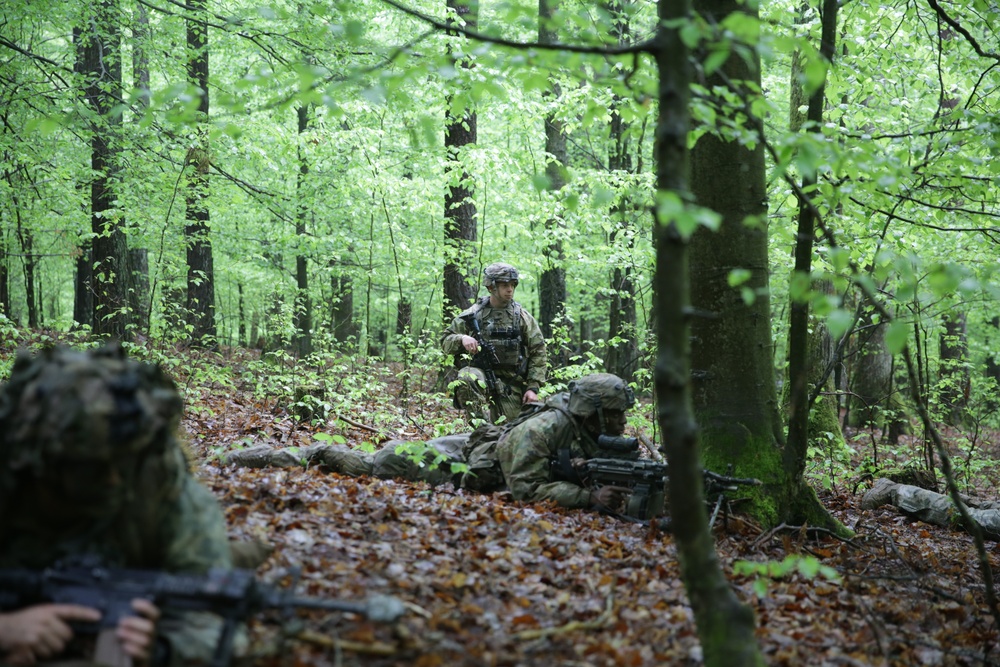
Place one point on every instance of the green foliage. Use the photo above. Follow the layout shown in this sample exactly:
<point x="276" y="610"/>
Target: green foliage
<point x="807" y="567"/>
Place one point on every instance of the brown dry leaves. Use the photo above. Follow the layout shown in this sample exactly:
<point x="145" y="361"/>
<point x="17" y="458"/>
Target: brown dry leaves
<point x="488" y="581"/>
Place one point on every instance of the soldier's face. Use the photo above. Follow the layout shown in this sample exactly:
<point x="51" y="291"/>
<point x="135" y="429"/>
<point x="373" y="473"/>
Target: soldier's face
<point x="504" y="292"/>
<point x="614" y="422"/>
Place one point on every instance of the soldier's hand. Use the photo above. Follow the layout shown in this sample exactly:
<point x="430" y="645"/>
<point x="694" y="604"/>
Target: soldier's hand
<point x="39" y="632"/>
<point x="529" y="397"/>
<point x="609" y="497"/>
<point x="137" y="633"/>
<point x="470" y="344"/>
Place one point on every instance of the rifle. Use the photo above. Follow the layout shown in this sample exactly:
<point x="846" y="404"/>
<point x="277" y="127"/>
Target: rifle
<point x="486" y="358"/>
<point x="647" y="480"/>
<point x="234" y="595"/>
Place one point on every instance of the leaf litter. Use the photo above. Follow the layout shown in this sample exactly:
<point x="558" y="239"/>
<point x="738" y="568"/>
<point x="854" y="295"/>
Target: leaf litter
<point x="490" y="581"/>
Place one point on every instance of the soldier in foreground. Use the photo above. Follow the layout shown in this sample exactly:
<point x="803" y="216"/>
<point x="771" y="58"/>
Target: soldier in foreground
<point x="508" y="364"/>
<point x="535" y="456"/>
<point x="90" y="467"/>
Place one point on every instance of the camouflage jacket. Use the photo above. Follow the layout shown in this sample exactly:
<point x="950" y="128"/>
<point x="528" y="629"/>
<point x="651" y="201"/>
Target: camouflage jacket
<point x="172" y="524"/>
<point x="514" y="333"/>
<point x="526" y="451"/>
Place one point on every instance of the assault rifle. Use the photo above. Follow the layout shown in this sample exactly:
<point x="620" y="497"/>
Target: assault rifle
<point x="234" y="595"/>
<point x="647" y="480"/>
<point x="486" y="358"/>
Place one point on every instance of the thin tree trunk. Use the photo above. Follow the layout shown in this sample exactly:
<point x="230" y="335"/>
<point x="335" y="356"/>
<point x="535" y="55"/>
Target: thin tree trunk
<point x="4" y="278"/>
<point x="622" y="356"/>
<point x="200" y="303"/>
<point x="552" y="286"/>
<point x="459" y="207"/>
<point x="139" y="294"/>
<point x="795" y="453"/>
<point x="725" y="626"/>
<point x="109" y="249"/>
<point x="955" y="380"/>
<point x="303" y="304"/>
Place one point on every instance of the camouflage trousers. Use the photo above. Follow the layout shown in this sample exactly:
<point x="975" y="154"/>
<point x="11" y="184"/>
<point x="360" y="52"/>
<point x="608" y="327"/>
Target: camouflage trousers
<point x="938" y="509"/>
<point x="414" y="461"/>
<point x="472" y="396"/>
<point x="430" y="461"/>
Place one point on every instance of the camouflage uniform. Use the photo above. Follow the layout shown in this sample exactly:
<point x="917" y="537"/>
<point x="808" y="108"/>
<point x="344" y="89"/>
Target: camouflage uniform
<point x="89" y="466"/>
<point x="520" y="348"/>
<point x="527" y="452"/>
<point x="933" y="508"/>
<point x="518" y="455"/>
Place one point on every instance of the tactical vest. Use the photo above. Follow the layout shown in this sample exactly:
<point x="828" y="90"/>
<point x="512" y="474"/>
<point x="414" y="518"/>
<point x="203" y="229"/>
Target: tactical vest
<point x="502" y="328"/>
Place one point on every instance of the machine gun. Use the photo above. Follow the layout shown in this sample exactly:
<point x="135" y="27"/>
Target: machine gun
<point x="647" y="480"/>
<point x="234" y="595"/>
<point x="486" y="359"/>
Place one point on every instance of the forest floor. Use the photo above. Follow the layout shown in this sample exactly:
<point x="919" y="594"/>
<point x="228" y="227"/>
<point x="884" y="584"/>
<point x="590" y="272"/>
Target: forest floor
<point x="490" y="581"/>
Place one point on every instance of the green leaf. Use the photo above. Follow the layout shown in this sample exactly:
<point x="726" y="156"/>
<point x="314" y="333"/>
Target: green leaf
<point x="716" y="59"/>
<point x="896" y="336"/>
<point x="541" y="182"/>
<point x="839" y="322"/>
<point x="738" y="277"/>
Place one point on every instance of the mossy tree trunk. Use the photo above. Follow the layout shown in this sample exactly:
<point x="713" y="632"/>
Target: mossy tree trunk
<point x="735" y="398"/>
<point x="725" y="625"/>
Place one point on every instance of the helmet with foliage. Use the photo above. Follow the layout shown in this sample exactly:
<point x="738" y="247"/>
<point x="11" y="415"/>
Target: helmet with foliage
<point x="96" y="406"/>
<point x="600" y="391"/>
<point x="498" y="272"/>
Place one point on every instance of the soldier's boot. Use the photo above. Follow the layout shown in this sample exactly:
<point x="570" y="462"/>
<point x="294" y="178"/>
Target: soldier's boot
<point x="881" y="493"/>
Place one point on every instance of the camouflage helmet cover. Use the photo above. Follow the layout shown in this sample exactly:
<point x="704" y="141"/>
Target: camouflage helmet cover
<point x="94" y="405"/>
<point x="498" y="272"/>
<point x="599" y="391"/>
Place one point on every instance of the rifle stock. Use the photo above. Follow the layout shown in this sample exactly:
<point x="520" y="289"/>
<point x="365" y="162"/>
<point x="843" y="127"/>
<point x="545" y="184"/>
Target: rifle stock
<point x="234" y="595"/>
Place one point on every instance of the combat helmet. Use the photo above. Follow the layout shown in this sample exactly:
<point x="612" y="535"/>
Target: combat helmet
<point x="498" y="272"/>
<point x="64" y="405"/>
<point x="598" y="392"/>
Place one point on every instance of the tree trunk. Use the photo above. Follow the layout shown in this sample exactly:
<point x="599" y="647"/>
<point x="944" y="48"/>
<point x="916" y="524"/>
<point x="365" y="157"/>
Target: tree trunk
<point x="954" y="370"/>
<point x="303" y="304"/>
<point x="4" y="278"/>
<point x="993" y="359"/>
<point x="109" y="249"/>
<point x="197" y="231"/>
<point x="622" y="356"/>
<point x="799" y="342"/>
<point x="871" y="376"/>
<point x="342" y="308"/>
<point x="139" y="294"/>
<point x="241" y="336"/>
<point x="552" y="286"/>
<point x="404" y="317"/>
<point x="459" y="207"/>
<point x="725" y="626"/>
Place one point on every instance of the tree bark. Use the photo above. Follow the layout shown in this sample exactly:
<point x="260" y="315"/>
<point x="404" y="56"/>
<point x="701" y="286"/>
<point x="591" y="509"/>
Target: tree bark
<point x="200" y="303"/>
<point x="725" y="626"/>
<point x="459" y="208"/>
<point x="342" y="308"/>
<point x="954" y="370"/>
<point x="109" y="249"/>
<point x="799" y="372"/>
<point x="303" y="304"/>
<point x="552" y="286"/>
<point x="622" y="357"/>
